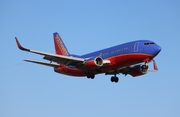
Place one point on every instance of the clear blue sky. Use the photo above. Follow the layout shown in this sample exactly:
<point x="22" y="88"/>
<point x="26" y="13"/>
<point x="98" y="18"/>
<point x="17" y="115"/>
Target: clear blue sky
<point x="30" y="90"/>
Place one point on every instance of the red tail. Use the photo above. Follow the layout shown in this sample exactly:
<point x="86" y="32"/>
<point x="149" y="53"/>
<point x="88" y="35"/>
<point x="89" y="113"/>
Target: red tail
<point x="59" y="45"/>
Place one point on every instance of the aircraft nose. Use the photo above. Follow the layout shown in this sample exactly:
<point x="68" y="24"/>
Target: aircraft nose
<point x="157" y="50"/>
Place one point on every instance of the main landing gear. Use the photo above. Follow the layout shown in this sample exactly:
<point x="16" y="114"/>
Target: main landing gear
<point x="114" y="79"/>
<point x="91" y="75"/>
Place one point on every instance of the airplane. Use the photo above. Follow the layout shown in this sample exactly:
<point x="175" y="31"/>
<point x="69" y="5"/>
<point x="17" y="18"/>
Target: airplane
<point x="129" y="58"/>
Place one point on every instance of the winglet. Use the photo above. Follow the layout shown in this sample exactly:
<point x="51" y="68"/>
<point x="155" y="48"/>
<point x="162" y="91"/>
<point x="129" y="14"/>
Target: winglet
<point x="20" y="47"/>
<point x="155" y="66"/>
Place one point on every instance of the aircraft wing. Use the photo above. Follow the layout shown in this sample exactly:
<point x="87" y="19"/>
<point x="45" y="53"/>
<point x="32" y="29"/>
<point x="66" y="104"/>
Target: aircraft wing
<point x="66" y="60"/>
<point x="128" y="69"/>
<point x="43" y="63"/>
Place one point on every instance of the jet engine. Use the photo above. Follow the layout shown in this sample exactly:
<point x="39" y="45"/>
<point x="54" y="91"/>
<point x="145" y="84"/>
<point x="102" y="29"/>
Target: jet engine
<point x="139" y="70"/>
<point x="96" y="63"/>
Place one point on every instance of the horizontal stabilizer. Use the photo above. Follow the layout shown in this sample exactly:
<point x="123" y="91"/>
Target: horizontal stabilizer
<point x="43" y="63"/>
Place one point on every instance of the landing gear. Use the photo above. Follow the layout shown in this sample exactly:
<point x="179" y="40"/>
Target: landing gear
<point x="114" y="79"/>
<point x="91" y="75"/>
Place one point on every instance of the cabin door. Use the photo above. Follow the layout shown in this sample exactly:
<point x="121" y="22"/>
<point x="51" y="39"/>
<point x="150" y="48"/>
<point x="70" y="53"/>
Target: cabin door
<point x="136" y="46"/>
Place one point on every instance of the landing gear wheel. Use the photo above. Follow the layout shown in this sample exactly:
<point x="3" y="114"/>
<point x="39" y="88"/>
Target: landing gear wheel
<point x="114" y="79"/>
<point x="91" y="75"/>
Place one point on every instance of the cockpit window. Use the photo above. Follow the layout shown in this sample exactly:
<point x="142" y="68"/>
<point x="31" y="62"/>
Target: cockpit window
<point x="147" y="43"/>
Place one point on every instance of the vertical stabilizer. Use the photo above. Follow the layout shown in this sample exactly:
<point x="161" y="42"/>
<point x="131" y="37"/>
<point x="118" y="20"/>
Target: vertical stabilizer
<point x="59" y="45"/>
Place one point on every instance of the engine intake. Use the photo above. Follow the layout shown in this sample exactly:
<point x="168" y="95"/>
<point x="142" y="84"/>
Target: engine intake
<point x="139" y="70"/>
<point x="144" y="69"/>
<point x="96" y="63"/>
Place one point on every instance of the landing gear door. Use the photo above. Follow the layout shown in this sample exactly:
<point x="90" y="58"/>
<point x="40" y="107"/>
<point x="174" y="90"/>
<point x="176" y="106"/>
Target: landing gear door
<point x="136" y="46"/>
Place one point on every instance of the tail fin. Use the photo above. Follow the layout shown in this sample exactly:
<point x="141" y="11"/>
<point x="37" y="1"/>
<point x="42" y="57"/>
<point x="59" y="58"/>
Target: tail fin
<point x="59" y="45"/>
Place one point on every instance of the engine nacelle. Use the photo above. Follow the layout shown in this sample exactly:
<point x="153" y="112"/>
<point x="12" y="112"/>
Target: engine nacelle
<point x="139" y="70"/>
<point x="96" y="63"/>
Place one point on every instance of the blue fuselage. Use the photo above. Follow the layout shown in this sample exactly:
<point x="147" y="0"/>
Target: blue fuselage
<point x="139" y="46"/>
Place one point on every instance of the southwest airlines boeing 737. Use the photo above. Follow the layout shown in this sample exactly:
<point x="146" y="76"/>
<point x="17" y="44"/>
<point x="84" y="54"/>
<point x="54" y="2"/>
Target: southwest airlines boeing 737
<point x="128" y="58"/>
